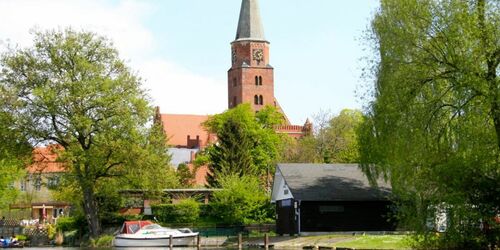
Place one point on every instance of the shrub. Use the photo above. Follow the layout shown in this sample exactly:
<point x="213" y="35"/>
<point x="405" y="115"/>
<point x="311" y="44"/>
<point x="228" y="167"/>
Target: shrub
<point x="66" y="224"/>
<point x="187" y="211"/>
<point x="241" y="201"/>
<point x="104" y="241"/>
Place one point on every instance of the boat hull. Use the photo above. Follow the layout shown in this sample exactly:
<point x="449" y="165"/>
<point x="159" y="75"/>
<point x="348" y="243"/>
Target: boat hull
<point x="123" y="241"/>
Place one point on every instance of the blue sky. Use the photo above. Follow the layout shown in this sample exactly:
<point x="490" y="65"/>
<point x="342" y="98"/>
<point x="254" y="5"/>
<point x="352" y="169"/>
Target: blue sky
<point x="181" y="48"/>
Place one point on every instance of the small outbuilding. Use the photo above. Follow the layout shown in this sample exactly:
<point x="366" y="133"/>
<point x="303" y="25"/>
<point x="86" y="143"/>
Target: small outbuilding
<point x="329" y="198"/>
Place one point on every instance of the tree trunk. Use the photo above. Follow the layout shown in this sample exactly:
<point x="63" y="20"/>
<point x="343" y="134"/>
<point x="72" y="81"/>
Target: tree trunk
<point x="91" y="212"/>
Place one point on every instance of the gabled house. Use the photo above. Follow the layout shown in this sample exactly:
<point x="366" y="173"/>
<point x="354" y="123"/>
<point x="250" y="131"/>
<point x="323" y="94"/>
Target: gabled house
<point x="42" y="175"/>
<point x="327" y="198"/>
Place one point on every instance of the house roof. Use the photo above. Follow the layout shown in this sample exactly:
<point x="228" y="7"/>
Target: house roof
<point x="179" y="127"/>
<point x="331" y="182"/>
<point x="45" y="160"/>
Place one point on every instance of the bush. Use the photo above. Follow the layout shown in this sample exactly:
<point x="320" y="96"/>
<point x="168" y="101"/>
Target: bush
<point x="241" y="201"/>
<point x="187" y="211"/>
<point x="66" y="224"/>
<point x="102" y="241"/>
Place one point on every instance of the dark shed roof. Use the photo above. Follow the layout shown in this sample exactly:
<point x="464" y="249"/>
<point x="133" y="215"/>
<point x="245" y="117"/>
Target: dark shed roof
<point x="331" y="182"/>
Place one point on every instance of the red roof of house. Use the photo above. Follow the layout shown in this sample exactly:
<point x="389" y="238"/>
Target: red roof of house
<point x="179" y="127"/>
<point x="45" y="160"/>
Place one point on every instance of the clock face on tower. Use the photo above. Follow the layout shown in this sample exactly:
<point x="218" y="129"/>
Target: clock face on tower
<point x="258" y="55"/>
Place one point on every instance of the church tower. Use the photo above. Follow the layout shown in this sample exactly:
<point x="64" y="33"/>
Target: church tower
<point x="251" y="78"/>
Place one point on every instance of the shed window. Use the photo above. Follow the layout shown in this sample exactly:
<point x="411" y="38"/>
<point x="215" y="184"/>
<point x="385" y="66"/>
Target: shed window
<point x="331" y="209"/>
<point x="286" y="203"/>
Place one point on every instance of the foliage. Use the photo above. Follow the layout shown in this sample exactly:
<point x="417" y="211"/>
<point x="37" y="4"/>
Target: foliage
<point x="185" y="175"/>
<point x="247" y="143"/>
<point x="242" y="200"/>
<point x="341" y="137"/>
<point x="334" y="141"/>
<point x="302" y="150"/>
<point x="433" y="129"/>
<point x="67" y="224"/>
<point x="186" y="211"/>
<point x="71" y="88"/>
<point x="14" y="153"/>
<point x="102" y="241"/>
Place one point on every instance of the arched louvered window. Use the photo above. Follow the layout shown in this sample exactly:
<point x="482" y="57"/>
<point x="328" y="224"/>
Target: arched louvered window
<point x="261" y="100"/>
<point x="256" y="100"/>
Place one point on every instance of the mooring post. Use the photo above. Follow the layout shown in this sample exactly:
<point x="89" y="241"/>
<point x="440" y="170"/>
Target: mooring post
<point x="240" y="241"/>
<point x="171" y="242"/>
<point x="266" y="241"/>
<point x="198" y="241"/>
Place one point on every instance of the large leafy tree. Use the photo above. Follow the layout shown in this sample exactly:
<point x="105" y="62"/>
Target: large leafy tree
<point x="433" y="127"/>
<point x="14" y="153"/>
<point x="334" y="141"/>
<point x="340" y="144"/>
<point x="71" y="88"/>
<point x="246" y="143"/>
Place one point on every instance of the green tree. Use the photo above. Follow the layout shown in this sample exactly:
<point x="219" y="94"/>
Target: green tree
<point x="242" y="200"/>
<point x="71" y="88"/>
<point x="247" y="143"/>
<point x="302" y="150"/>
<point x="341" y="141"/>
<point x="14" y="154"/>
<point x="434" y="126"/>
<point x="185" y="175"/>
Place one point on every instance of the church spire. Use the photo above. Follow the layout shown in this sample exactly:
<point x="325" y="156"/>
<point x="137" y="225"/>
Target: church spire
<point x="250" y="26"/>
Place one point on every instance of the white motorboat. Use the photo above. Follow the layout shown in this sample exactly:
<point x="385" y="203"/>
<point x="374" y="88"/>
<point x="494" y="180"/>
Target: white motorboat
<point x="147" y="234"/>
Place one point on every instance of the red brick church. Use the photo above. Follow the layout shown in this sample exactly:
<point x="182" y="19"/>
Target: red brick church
<point x="250" y="80"/>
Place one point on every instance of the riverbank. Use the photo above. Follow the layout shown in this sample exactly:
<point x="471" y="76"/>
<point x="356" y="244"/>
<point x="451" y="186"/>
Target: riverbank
<point x="332" y="241"/>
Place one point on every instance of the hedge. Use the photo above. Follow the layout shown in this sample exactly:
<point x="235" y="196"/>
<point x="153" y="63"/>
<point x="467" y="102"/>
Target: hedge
<point x="187" y="211"/>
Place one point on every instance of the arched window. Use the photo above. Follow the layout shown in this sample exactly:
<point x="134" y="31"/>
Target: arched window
<point x="234" y="101"/>
<point x="256" y="100"/>
<point x="261" y="100"/>
<point x="256" y="80"/>
<point x="260" y="80"/>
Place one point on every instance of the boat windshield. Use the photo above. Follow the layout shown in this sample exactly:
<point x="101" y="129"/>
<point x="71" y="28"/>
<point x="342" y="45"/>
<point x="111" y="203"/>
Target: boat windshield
<point x="152" y="226"/>
<point x="133" y="228"/>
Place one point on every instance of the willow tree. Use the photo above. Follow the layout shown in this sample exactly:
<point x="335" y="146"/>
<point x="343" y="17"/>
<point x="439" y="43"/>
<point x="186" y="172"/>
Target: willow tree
<point x="72" y="89"/>
<point x="433" y="127"/>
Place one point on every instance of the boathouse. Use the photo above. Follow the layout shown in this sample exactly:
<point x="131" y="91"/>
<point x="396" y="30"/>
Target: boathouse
<point x="329" y="198"/>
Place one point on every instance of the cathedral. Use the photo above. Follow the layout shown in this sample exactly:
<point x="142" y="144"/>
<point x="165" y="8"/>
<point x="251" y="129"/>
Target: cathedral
<point x="250" y="80"/>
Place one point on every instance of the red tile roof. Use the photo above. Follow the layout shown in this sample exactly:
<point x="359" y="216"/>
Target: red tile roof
<point x="45" y="160"/>
<point x="179" y="127"/>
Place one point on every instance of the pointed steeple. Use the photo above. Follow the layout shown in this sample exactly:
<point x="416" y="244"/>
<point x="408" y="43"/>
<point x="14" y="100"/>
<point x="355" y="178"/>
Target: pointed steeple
<point x="250" y="26"/>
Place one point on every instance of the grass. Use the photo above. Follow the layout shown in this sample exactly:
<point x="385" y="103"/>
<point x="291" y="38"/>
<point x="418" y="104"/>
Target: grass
<point x="377" y="242"/>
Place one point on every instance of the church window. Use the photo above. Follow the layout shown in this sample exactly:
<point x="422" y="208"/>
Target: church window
<point x="256" y="100"/>
<point x="234" y="101"/>
<point x="260" y="80"/>
<point x="261" y="100"/>
<point x="256" y="80"/>
<point x="235" y="83"/>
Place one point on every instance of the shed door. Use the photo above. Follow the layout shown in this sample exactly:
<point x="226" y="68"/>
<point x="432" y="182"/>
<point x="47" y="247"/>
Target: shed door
<point x="286" y="222"/>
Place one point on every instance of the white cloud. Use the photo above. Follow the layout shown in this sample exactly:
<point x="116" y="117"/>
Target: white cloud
<point x="175" y="89"/>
